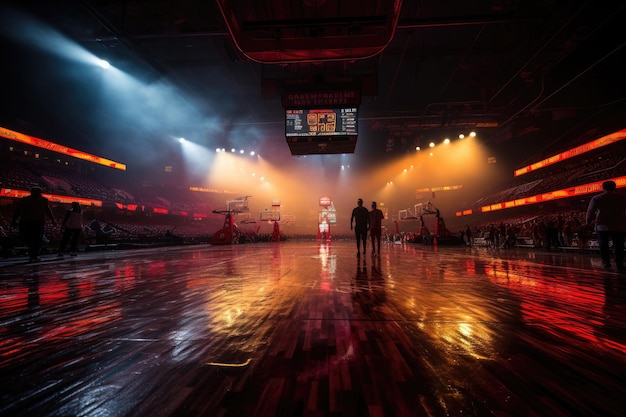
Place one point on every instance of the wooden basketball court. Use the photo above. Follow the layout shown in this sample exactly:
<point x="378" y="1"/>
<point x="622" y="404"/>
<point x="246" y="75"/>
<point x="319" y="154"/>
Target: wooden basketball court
<point x="307" y="329"/>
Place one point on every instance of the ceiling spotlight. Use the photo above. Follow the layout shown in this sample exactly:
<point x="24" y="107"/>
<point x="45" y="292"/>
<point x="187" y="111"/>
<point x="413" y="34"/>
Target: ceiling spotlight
<point x="232" y="150"/>
<point x="252" y="153"/>
<point x="103" y="64"/>
<point x="417" y="148"/>
<point x="461" y="136"/>
<point x="472" y="134"/>
<point x="241" y="151"/>
<point x="431" y="144"/>
<point x="446" y="141"/>
<point x="218" y="150"/>
<point x="181" y="140"/>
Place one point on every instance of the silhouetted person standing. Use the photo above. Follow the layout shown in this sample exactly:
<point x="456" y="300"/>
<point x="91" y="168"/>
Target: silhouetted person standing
<point x="468" y="235"/>
<point x="376" y="227"/>
<point x="361" y="219"/>
<point x="608" y="209"/>
<point x="31" y="212"/>
<point x="72" y="227"/>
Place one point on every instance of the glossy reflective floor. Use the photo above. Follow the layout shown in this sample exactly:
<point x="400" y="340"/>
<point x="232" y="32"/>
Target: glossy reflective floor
<point x="307" y="329"/>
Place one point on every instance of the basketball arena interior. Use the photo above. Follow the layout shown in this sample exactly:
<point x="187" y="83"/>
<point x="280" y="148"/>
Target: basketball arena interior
<point x="217" y="149"/>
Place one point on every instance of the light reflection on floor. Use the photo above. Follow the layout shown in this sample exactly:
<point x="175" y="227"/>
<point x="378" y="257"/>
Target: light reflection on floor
<point x="308" y="329"/>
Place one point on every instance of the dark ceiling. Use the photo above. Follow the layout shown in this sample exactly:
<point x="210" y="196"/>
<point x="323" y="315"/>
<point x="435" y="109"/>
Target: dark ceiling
<point x="523" y="73"/>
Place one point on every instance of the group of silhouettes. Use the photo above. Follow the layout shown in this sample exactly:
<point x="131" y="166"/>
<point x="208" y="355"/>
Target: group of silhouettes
<point x="606" y="211"/>
<point x="30" y="217"/>
<point x="364" y="220"/>
<point x="32" y="212"/>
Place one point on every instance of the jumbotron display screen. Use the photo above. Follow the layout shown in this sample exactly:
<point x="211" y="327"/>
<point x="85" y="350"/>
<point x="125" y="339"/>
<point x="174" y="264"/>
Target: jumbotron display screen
<point x="321" y="122"/>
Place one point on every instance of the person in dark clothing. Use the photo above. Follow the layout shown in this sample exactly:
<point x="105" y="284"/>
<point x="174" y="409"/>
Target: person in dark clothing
<point x="376" y="227"/>
<point x="32" y="211"/>
<point x="72" y="227"/>
<point x="608" y="211"/>
<point x="361" y="219"/>
<point x="551" y="235"/>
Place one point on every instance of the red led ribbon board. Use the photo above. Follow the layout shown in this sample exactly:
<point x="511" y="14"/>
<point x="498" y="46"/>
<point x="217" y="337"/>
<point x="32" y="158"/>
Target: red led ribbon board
<point x="317" y="99"/>
<point x="570" y="153"/>
<point x="44" y="144"/>
<point x="54" y="198"/>
<point x="593" y="187"/>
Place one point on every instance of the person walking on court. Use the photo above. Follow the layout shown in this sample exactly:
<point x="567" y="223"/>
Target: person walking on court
<point x="72" y="227"/>
<point x="31" y="212"/>
<point x="608" y="211"/>
<point x="361" y="218"/>
<point x="376" y="227"/>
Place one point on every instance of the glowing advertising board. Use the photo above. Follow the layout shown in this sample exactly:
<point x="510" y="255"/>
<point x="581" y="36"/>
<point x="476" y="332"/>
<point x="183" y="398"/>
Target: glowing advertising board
<point x="44" y="144"/>
<point x="321" y="122"/>
<point x="570" y="153"/>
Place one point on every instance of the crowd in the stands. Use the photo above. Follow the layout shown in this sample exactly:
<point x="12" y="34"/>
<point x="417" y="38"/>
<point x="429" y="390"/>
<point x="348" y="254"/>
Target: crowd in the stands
<point x="562" y="227"/>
